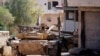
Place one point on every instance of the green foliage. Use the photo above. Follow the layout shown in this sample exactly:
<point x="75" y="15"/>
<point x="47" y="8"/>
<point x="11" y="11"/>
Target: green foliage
<point x="6" y="17"/>
<point x="25" y="11"/>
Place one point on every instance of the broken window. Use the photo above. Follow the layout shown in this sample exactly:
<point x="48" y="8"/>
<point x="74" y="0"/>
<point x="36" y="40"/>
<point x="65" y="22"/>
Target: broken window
<point x="54" y="3"/>
<point x="71" y="15"/>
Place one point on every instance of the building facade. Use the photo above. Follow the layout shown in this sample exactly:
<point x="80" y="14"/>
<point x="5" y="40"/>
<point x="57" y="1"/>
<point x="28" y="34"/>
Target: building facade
<point x="50" y="12"/>
<point x="89" y="23"/>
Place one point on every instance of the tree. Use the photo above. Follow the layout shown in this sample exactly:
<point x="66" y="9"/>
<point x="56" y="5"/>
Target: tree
<point x="25" y="11"/>
<point x="6" y="17"/>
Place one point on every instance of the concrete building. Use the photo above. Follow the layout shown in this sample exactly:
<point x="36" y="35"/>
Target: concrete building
<point x="89" y="22"/>
<point x="50" y="12"/>
<point x="70" y="21"/>
<point x="49" y="6"/>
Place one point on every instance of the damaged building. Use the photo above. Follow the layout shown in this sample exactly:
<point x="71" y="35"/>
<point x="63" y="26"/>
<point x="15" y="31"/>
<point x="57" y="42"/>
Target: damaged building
<point x="50" y="14"/>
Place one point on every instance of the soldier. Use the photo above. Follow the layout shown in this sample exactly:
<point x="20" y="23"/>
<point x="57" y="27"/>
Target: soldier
<point x="43" y="27"/>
